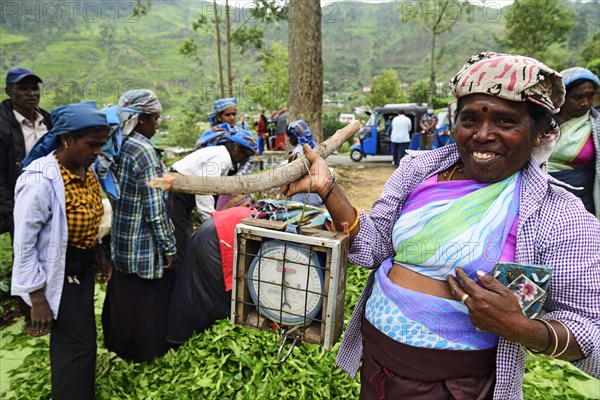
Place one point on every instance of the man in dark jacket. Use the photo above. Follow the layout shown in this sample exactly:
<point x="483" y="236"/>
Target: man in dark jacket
<point x="22" y="123"/>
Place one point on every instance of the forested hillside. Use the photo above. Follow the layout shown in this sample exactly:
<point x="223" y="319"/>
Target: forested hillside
<point x="96" y="49"/>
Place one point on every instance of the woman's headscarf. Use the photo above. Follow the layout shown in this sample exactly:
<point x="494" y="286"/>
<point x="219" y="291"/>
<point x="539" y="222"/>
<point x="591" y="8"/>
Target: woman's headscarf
<point x="132" y="104"/>
<point x="510" y="77"/>
<point x="211" y="136"/>
<point x="68" y="118"/>
<point x="128" y="110"/>
<point x="241" y="137"/>
<point x="219" y="106"/>
<point x="300" y="131"/>
<point x="515" y="78"/>
<point x="574" y="74"/>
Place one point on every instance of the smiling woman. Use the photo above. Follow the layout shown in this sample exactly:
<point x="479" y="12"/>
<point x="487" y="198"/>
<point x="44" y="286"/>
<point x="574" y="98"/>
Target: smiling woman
<point x="432" y="322"/>
<point x="496" y="137"/>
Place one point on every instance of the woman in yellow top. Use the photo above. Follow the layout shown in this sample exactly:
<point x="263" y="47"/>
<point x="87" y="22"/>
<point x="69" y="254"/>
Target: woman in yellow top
<point x="57" y="216"/>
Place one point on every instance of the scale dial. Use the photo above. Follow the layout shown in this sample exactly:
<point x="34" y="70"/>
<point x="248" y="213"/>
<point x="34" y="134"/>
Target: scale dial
<point x="289" y="293"/>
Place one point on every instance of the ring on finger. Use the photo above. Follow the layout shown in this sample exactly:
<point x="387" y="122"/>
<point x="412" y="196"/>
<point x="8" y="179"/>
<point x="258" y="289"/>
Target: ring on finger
<point x="464" y="297"/>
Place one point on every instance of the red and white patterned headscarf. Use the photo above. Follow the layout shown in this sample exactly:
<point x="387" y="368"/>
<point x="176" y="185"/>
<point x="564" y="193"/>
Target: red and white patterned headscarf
<point x="510" y="77"/>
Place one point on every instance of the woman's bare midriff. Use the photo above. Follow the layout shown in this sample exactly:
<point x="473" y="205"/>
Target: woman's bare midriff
<point x="409" y="279"/>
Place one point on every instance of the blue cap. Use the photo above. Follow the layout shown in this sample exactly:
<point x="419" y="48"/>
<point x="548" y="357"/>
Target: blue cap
<point x="17" y="74"/>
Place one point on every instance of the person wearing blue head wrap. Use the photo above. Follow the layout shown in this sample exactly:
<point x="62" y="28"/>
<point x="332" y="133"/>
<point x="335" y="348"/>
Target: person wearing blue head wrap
<point x="222" y="121"/>
<point x="59" y="211"/>
<point x="575" y="158"/>
<point x="246" y="142"/>
<point x="224" y="110"/>
<point x="69" y="118"/>
<point x="211" y="136"/>
<point x="299" y="135"/>
<point x="222" y="159"/>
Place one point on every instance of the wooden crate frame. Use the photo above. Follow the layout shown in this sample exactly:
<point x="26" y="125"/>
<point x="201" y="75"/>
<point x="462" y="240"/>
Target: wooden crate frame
<point x="334" y="246"/>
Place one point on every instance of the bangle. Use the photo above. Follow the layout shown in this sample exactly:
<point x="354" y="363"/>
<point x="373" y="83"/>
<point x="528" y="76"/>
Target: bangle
<point x="555" y="336"/>
<point x="552" y="355"/>
<point x="354" y="224"/>
<point x="549" y="338"/>
<point x="568" y="340"/>
<point x="330" y="190"/>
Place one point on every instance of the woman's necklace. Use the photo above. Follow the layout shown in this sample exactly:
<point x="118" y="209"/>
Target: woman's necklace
<point x="458" y="167"/>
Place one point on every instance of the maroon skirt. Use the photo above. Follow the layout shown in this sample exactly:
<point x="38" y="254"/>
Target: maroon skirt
<point x="392" y="370"/>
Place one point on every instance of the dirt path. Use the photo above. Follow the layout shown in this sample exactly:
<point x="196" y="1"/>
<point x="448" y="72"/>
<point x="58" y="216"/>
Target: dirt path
<point x="363" y="185"/>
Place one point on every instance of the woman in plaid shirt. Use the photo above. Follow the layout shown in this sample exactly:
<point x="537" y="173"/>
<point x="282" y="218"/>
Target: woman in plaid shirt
<point x="134" y="316"/>
<point x="432" y="323"/>
<point x="56" y="242"/>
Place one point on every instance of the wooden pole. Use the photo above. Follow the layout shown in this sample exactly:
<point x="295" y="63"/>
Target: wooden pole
<point x="219" y="48"/>
<point x="243" y="184"/>
<point x="228" y="34"/>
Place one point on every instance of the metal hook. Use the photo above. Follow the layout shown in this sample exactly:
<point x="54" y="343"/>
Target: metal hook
<point x="283" y="337"/>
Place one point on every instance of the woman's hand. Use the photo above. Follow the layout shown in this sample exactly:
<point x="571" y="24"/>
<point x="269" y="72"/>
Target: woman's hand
<point x="492" y="308"/>
<point x="319" y="171"/>
<point x="169" y="261"/>
<point x="105" y="265"/>
<point x="41" y="315"/>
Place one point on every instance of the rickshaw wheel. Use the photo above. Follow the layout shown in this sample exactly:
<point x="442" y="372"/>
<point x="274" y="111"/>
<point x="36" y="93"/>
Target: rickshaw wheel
<point x="356" y="155"/>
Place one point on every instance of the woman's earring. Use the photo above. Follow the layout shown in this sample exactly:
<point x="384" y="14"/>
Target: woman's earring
<point x="65" y="144"/>
<point x="538" y="140"/>
<point x="141" y="122"/>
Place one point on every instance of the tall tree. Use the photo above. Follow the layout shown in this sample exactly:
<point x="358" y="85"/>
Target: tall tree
<point x="218" y="37"/>
<point x="270" y="93"/>
<point x="305" y="71"/>
<point x="385" y="89"/>
<point x="534" y="25"/>
<point x="228" y="35"/>
<point x="249" y="34"/>
<point x="436" y="17"/>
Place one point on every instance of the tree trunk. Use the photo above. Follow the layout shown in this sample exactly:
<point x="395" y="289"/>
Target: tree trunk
<point x="228" y="30"/>
<point x="305" y="71"/>
<point x="432" y="76"/>
<point x="219" y="48"/>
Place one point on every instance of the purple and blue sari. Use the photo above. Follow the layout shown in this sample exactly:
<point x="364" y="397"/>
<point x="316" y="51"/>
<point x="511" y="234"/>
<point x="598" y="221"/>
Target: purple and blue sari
<point x="444" y="225"/>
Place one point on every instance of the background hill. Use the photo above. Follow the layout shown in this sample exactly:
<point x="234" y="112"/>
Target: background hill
<point x="96" y="49"/>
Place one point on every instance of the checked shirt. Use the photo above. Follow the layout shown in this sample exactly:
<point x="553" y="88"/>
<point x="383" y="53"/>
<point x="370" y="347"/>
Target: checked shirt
<point x="140" y="232"/>
<point x="84" y="207"/>
<point x="554" y="229"/>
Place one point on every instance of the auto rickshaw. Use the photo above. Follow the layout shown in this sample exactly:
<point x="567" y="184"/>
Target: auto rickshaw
<point x="374" y="136"/>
